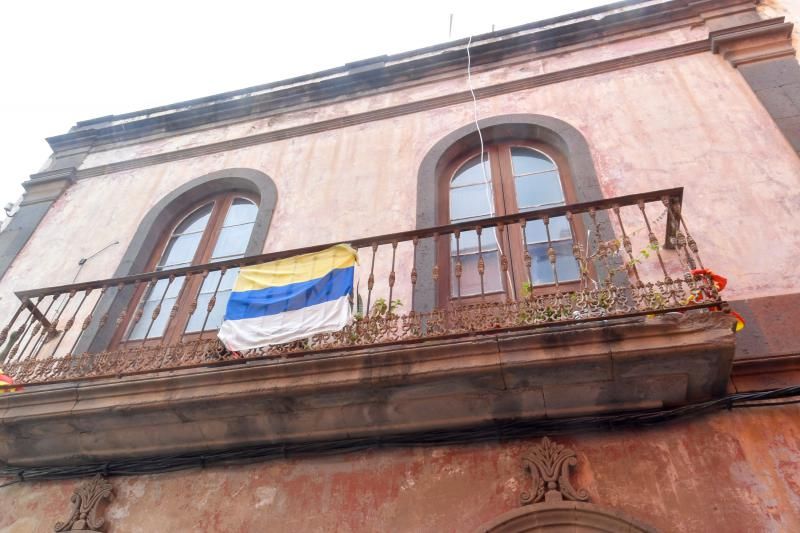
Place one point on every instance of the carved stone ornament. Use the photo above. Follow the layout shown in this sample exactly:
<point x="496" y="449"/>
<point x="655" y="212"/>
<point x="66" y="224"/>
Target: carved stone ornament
<point x="548" y="464"/>
<point x="85" y="500"/>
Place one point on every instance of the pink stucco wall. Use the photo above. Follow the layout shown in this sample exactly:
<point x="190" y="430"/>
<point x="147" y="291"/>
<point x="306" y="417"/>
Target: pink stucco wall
<point x="690" y="121"/>
<point x="730" y="471"/>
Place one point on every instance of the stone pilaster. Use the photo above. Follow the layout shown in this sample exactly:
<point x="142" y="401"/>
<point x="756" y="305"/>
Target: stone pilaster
<point x="764" y="55"/>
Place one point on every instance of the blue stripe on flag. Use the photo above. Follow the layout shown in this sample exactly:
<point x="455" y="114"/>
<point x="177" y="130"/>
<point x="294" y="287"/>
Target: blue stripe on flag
<point x="275" y="300"/>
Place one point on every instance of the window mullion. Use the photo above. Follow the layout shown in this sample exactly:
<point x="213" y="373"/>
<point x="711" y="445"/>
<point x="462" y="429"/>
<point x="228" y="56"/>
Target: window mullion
<point x="174" y="330"/>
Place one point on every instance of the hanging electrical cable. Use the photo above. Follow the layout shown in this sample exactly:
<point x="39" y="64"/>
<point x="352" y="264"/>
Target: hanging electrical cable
<point x="499" y="430"/>
<point x="486" y="181"/>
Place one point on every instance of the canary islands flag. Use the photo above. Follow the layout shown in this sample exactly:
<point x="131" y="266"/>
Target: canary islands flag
<point x="290" y="299"/>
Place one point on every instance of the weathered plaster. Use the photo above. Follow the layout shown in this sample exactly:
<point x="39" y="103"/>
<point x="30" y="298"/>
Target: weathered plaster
<point x="687" y="127"/>
<point x="520" y="68"/>
<point x="730" y="471"/>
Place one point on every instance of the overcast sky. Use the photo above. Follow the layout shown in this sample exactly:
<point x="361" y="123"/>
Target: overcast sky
<point x="65" y="61"/>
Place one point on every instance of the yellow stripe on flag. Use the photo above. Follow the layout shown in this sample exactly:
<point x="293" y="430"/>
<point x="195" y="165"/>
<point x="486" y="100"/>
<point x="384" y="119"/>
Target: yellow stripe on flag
<point x="295" y="269"/>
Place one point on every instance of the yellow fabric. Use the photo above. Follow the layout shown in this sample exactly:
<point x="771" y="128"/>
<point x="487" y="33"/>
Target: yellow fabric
<point x="295" y="269"/>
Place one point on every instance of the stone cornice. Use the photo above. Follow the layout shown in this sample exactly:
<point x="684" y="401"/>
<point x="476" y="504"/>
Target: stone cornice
<point x="754" y="42"/>
<point x="404" y="109"/>
<point x="567" y="371"/>
<point x="48" y="185"/>
<point x="388" y="72"/>
<point x="67" y="173"/>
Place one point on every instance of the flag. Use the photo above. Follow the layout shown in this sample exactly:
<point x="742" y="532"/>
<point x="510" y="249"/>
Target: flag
<point x="290" y="299"/>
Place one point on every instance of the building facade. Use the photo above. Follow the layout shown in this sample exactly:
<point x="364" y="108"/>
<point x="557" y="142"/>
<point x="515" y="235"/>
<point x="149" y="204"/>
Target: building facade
<point x="541" y="338"/>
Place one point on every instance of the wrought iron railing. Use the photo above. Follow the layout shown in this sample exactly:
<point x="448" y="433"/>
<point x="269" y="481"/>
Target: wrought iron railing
<point x="413" y="286"/>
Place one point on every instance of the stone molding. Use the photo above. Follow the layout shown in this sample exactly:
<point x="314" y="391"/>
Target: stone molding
<point x="563" y="137"/>
<point x="417" y="106"/>
<point x="584" y="27"/>
<point x="755" y="42"/>
<point x="48" y="185"/>
<point x="575" y="517"/>
<point x="446" y="384"/>
<point x="592" y="69"/>
<point x="160" y="218"/>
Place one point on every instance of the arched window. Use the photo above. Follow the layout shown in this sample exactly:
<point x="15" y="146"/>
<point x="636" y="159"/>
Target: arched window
<point x="215" y="229"/>
<point x="515" y="177"/>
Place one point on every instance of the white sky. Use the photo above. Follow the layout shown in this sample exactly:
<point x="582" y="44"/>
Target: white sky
<point x="65" y="61"/>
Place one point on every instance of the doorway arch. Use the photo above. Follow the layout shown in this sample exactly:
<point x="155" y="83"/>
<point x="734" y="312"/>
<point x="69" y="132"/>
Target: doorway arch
<point x="563" y="516"/>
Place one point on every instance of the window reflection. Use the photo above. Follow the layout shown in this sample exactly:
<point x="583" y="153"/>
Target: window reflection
<point x="181" y="250"/>
<point x="471" y="197"/>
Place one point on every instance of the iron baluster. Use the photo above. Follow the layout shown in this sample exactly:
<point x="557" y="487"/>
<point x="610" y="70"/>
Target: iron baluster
<point x="7" y="329"/>
<point x="654" y="244"/>
<point x="392" y="276"/>
<point x="577" y="252"/>
<point x="603" y="248"/>
<point x="173" y="312"/>
<point x="686" y="240"/>
<point x="71" y="321"/>
<point x="51" y="332"/>
<point x="87" y="320"/>
<point x="157" y="308"/>
<point x="371" y="279"/>
<point x="526" y="255"/>
<point x="551" y="252"/>
<point x="457" y="235"/>
<point x="193" y="305"/>
<point x="481" y="264"/>
<point x="504" y="263"/>
<point x="626" y="244"/>
<point x="414" y="242"/>
<point x="38" y="328"/>
<point x="21" y="332"/>
<point x="212" y="302"/>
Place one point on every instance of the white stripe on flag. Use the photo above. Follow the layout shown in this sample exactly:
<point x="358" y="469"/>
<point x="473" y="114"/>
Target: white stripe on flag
<point x="249" y="333"/>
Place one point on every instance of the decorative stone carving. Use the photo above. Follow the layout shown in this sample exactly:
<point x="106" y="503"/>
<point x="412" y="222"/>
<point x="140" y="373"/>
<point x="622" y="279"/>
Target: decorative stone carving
<point x="548" y="464"/>
<point x="85" y="500"/>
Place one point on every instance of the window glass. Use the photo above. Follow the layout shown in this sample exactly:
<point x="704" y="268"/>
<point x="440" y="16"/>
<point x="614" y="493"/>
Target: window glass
<point x="559" y="229"/>
<point x="470" y="173"/>
<point x="241" y="212"/>
<point x="471" y="196"/>
<point x="527" y="161"/>
<point x="206" y="291"/>
<point x="538" y="190"/>
<point x="473" y="201"/>
<point x="470" y="278"/>
<point x="195" y="222"/>
<point x="530" y="180"/>
<point x="181" y="250"/>
<point x="231" y="244"/>
<point x="542" y="271"/>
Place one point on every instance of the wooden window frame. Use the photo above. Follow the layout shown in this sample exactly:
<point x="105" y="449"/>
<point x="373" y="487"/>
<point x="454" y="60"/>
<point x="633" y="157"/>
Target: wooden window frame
<point x="175" y="329"/>
<point x="505" y="202"/>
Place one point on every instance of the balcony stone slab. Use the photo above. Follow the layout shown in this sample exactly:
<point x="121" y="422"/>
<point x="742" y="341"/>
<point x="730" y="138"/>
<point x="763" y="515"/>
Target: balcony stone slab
<point x="550" y="372"/>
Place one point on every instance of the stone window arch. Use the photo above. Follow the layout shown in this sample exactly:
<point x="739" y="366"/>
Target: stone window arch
<point x="161" y="219"/>
<point x="553" y="137"/>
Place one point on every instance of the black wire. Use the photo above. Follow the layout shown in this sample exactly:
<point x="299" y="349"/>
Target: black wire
<point x="491" y="432"/>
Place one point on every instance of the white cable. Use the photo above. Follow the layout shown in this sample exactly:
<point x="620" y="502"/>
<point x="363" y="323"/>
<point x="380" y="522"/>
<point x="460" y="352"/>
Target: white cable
<point x="477" y="125"/>
<point x="487" y="183"/>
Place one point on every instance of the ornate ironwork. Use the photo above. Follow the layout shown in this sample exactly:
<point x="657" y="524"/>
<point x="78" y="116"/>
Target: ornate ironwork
<point x="548" y="464"/>
<point x="382" y="321"/>
<point x="486" y="317"/>
<point x="85" y="501"/>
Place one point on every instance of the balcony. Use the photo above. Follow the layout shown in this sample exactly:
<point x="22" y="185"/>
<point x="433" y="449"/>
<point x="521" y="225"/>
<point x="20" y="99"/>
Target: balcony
<point x="433" y="344"/>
